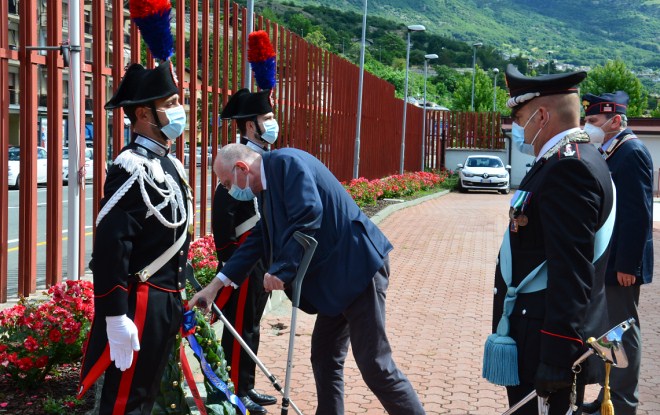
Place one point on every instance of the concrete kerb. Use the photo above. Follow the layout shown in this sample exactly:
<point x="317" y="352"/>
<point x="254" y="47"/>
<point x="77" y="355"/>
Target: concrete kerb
<point x="378" y="217"/>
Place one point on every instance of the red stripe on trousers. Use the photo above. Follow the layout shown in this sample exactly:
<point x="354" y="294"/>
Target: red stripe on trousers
<point x="238" y="325"/>
<point x="95" y="372"/>
<point x="127" y="376"/>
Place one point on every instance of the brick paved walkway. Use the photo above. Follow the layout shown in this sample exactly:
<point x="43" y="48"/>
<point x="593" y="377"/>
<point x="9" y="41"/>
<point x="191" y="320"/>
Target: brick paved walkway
<point x="438" y="314"/>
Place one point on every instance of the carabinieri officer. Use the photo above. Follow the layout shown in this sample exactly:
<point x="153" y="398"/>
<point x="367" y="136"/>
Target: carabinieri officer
<point x="552" y="262"/>
<point x="140" y="249"/>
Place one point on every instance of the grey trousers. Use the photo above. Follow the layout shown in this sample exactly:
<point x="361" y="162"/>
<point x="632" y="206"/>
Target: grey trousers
<point x="363" y="325"/>
<point x="622" y="303"/>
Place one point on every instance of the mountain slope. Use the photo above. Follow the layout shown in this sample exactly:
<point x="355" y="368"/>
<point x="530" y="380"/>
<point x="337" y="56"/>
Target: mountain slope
<point x="580" y="32"/>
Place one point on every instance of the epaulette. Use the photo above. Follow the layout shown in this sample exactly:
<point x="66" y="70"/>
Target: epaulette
<point x="132" y="161"/>
<point x="568" y="145"/>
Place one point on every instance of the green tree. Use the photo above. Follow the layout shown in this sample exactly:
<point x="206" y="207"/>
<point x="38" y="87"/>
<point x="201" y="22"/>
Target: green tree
<point x="299" y="24"/>
<point x="483" y="93"/>
<point x="615" y="76"/>
<point x="316" y="38"/>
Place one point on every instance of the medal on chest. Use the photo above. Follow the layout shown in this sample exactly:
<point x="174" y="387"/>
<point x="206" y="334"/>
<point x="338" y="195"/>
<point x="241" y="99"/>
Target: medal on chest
<point x="517" y="214"/>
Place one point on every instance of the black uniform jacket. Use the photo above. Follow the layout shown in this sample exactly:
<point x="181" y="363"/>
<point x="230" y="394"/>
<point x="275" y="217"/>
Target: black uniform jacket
<point x="128" y="239"/>
<point x="228" y="214"/>
<point x="571" y="199"/>
<point x="632" y="241"/>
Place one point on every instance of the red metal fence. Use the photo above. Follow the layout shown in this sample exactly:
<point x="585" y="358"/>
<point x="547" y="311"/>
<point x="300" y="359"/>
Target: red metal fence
<point x="316" y="100"/>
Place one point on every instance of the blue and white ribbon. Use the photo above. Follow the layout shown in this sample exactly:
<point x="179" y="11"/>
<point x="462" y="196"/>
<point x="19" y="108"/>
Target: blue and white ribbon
<point x="189" y="323"/>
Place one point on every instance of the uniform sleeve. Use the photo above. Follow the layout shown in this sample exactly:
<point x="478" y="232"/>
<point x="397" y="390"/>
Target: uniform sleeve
<point x="223" y="224"/>
<point x="569" y="205"/>
<point x="113" y="245"/>
<point x="304" y="212"/>
<point x="634" y="178"/>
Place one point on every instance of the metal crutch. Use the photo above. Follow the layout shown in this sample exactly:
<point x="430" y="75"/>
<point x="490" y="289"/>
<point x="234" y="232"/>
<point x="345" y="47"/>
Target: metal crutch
<point x="309" y="246"/>
<point x="608" y="347"/>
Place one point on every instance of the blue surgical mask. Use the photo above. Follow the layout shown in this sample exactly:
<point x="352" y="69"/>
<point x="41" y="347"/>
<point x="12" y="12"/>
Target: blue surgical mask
<point x="176" y="118"/>
<point x="271" y="130"/>
<point x="518" y="137"/>
<point x="237" y="193"/>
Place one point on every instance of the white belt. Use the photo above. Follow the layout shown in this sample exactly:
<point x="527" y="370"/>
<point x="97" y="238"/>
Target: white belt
<point x="158" y="263"/>
<point x="247" y="225"/>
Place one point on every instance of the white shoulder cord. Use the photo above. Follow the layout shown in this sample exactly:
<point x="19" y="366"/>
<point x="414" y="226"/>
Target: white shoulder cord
<point x="172" y="196"/>
<point x="117" y="196"/>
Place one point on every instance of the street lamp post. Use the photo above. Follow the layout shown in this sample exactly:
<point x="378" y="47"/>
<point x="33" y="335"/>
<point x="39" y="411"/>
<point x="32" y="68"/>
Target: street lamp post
<point x="427" y="58"/>
<point x="474" y="67"/>
<point x="495" y="72"/>
<point x="492" y="135"/>
<point x="356" y="155"/>
<point x="411" y="28"/>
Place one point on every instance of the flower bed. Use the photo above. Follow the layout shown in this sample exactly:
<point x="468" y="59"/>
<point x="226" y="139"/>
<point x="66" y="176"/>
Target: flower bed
<point x="366" y="192"/>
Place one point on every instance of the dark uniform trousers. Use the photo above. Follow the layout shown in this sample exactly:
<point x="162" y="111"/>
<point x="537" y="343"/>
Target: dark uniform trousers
<point x="359" y="324"/>
<point x="244" y="309"/>
<point x="139" y="385"/>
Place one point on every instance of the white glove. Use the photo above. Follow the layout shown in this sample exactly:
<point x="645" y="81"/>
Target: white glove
<point x="123" y="340"/>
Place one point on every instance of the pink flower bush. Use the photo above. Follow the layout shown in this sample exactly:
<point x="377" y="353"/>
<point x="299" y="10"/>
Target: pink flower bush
<point x="202" y="255"/>
<point x="37" y="336"/>
<point x="365" y="192"/>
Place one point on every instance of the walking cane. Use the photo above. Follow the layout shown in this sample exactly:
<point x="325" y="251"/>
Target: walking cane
<point x="608" y="347"/>
<point x="309" y="245"/>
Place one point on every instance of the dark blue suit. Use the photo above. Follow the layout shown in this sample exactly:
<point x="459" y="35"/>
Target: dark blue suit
<point x="345" y="282"/>
<point x="631" y="253"/>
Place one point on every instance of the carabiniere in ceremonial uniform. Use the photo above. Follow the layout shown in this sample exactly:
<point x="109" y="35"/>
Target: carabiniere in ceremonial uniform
<point x="554" y="218"/>
<point x="140" y="249"/>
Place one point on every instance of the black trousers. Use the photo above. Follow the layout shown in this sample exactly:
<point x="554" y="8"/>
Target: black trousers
<point x="244" y="309"/>
<point x="363" y="325"/>
<point x="158" y="315"/>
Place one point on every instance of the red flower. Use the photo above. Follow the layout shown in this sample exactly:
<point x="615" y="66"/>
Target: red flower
<point x="55" y="335"/>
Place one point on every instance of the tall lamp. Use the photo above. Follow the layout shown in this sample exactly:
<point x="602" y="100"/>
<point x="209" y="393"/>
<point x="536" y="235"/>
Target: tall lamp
<point x="427" y="58"/>
<point x="474" y="66"/>
<point x="411" y="28"/>
<point x="495" y="73"/>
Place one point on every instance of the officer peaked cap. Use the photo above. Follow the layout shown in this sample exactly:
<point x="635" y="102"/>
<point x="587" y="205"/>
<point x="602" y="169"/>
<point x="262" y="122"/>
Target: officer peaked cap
<point x="246" y="104"/>
<point x="608" y="103"/>
<point x="523" y="88"/>
<point x="141" y="86"/>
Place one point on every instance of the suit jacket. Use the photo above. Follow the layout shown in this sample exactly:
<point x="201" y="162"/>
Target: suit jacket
<point x="632" y="241"/>
<point x="571" y="199"/>
<point x="303" y="195"/>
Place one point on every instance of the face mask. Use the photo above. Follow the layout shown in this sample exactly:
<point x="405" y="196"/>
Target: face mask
<point x="271" y="130"/>
<point x="596" y="134"/>
<point x="237" y="193"/>
<point x="518" y="136"/>
<point x="177" y="122"/>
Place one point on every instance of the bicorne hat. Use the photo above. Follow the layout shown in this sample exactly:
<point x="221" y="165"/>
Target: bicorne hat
<point x="141" y="86"/>
<point x="523" y="88"/>
<point x="246" y="104"/>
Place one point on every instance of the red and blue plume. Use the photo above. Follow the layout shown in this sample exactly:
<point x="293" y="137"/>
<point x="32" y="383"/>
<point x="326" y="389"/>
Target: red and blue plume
<point x="152" y="17"/>
<point x="261" y="56"/>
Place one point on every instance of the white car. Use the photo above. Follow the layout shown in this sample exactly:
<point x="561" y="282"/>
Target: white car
<point x="15" y="166"/>
<point x="89" y="164"/>
<point x="484" y="172"/>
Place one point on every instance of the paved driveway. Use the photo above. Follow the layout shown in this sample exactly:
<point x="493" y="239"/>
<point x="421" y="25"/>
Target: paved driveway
<point x="438" y="315"/>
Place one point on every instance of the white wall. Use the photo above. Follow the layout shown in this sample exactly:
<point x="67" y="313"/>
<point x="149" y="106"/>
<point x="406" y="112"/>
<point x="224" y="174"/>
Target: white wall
<point x="519" y="160"/>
